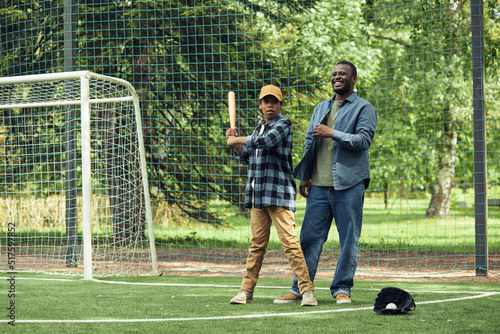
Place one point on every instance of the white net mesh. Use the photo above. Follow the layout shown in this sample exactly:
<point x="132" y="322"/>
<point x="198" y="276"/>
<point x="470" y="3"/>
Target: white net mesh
<point x="41" y="178"/>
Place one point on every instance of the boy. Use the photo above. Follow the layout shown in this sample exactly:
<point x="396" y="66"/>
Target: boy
<point x="270" y="193"/>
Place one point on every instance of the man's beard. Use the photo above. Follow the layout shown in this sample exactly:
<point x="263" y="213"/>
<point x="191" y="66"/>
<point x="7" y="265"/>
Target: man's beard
<point x="342" y="91"/>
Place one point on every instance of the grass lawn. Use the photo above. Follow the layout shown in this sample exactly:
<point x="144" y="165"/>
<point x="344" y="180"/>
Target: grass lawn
<point x="402" y="225"/>
<point x="179" y="304"/>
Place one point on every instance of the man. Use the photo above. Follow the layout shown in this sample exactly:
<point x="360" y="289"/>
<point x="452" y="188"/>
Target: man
<point x="270" y="193"/>
<point x="334" y="174"/>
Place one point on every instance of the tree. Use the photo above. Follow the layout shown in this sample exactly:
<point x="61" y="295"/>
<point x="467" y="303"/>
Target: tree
<point x="182" y="58"/>
<point x="429" y="79"/>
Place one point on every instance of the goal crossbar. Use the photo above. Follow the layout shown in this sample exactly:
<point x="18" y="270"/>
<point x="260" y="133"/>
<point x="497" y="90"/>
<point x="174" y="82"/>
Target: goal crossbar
<point x="65" y="103"/>
<point x="60" y="76"/>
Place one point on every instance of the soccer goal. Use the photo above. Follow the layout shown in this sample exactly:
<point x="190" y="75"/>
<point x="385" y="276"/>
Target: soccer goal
<point x="73" y="179"/>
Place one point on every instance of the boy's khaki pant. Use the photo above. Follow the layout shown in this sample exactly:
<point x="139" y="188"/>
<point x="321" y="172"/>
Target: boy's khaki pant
<point x="260" y="225"/>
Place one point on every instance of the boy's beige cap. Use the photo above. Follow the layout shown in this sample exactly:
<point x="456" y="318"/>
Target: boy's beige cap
<point x="271" y="90"/>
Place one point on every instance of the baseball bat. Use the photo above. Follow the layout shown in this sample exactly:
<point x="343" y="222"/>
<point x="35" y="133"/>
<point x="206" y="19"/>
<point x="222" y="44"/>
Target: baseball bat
<point x="232" y="109"/>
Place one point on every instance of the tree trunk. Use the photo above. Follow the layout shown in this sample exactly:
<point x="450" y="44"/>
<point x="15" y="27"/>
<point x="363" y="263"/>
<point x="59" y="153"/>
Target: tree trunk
<point x="441" y="192"/>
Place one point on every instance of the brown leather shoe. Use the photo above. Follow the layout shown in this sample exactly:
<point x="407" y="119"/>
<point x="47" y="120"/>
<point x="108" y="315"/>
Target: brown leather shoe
<point x="288" y="298"/>
<point x="342" y="298"/>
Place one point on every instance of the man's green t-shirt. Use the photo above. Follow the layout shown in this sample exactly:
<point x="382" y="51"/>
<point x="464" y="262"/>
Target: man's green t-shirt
<point x="322" y="170"/>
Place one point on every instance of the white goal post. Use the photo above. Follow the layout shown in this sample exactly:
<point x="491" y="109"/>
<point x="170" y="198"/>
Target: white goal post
<point x="73" y="176"/>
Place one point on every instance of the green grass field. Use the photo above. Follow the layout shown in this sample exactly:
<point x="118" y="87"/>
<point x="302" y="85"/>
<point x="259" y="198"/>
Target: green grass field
<point x="399" y="224"/>
<point x="402" y="225"/>
<point x="177" y="304"/>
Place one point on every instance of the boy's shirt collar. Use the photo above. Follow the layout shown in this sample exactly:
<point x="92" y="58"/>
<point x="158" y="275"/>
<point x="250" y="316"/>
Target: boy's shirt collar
<point x="275" y="119"/>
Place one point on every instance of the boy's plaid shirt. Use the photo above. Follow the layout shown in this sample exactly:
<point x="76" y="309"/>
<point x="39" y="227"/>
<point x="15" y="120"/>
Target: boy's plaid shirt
<point x="272" y="168"/>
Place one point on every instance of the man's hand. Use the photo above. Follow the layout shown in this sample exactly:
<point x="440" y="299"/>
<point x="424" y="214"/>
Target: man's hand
<point x="323" y="131"/>
<point x="305" y="188"/>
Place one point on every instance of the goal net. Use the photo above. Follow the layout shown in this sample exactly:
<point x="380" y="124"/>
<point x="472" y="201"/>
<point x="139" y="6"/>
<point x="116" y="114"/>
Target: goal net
<point x="73" y="185"/>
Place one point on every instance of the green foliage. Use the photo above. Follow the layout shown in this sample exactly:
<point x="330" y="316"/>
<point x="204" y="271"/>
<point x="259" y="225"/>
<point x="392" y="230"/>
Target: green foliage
<point x="425" y="84"/>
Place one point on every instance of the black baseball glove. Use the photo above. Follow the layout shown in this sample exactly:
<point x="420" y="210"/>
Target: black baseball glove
<point x="403" y="301"/>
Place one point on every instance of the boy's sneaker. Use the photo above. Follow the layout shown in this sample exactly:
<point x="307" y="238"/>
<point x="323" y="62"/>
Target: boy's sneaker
<point x="243" y="297"/>
<point x="309" y="299"/>
<point x="288" y="298"/>
<point x="342" y="298"/>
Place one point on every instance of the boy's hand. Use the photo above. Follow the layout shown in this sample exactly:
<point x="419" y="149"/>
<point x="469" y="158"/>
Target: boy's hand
<point x="231" y="141"/>
<point x="232" y="132"/>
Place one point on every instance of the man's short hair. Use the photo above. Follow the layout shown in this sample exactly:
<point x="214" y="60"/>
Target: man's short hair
<point x="354" y="71"/>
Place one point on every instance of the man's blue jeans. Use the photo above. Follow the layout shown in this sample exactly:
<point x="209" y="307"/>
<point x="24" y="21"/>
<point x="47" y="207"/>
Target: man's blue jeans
<point x="323" y="205"/>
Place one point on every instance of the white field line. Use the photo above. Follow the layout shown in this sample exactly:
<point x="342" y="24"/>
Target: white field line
<point x="276" y="287"/>
<point x="477" y="295"/>
<point x="230" y="286"/>
<point x="239" y="316"/>
<point x="46" y="279"/>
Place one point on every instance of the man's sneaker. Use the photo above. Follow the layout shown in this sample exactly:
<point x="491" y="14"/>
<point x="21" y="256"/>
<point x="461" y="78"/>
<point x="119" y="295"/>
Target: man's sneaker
<point x="288" y="298"/>
<point x="309" y="299"/>
<point x="342" y="298"/>
<point x="243" y="297"/>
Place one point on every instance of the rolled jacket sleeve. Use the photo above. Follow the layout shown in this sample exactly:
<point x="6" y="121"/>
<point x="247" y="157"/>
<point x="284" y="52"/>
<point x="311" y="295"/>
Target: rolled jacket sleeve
<point x="355" y="125"/>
